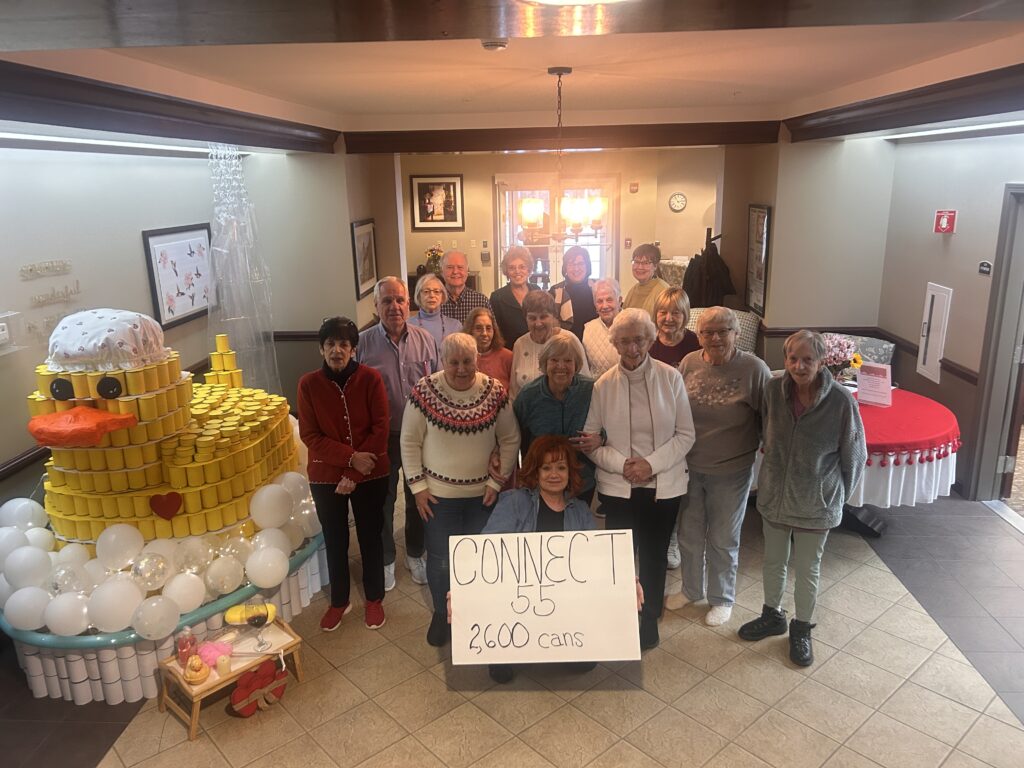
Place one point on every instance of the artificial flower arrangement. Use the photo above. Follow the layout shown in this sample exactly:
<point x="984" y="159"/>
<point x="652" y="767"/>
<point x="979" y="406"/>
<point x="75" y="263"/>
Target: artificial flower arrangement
<point x="840" y="354"/>
<point x="434" y="254"/>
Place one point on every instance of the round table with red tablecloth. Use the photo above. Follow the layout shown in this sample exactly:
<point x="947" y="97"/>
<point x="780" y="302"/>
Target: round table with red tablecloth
<point x="912" y="448"/>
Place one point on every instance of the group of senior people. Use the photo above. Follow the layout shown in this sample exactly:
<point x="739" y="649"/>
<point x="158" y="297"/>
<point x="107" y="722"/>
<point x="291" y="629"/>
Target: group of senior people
<point x="665" y="433"/>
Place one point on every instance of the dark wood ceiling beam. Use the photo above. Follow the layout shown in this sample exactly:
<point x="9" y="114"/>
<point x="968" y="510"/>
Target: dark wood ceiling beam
<point x="65" y="24"/>
<point x="34" y="95"/>
<point x="987" y="93"/>
<point x="576" y="137"/>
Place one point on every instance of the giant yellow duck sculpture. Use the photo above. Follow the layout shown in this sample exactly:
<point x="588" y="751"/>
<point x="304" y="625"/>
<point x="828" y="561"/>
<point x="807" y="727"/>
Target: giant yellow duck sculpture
<point x="135" y="441"/>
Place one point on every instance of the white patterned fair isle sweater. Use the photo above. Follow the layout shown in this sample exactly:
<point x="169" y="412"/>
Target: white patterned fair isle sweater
<point x="448" y="436"/>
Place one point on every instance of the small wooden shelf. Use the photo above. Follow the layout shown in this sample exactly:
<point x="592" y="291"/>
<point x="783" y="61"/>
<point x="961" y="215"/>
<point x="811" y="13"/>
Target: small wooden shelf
<point x="284" y="641"/>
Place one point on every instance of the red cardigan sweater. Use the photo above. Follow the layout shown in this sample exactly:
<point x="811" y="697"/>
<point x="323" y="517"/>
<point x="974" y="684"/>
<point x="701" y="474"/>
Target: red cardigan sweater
<point x="336" y="422"/>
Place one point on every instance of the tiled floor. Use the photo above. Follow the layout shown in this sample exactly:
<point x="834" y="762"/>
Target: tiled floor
<point x="888" y="688"/>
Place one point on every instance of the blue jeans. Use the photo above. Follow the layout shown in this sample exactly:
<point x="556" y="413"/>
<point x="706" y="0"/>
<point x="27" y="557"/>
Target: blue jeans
<point x="709" y="532"/>
<point x="452" y="517"/>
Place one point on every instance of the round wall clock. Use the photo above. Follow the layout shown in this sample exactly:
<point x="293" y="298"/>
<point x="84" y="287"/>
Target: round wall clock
<point x="677" y="202"/>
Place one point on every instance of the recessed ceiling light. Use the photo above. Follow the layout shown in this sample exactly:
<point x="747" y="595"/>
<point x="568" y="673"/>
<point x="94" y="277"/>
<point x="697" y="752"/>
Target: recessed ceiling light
<point x="576" y="2"/>
<point x="970" y="128"/>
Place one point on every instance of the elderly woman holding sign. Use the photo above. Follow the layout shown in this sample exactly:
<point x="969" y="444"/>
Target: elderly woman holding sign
<point x="452" y="422"/>
<point x="547" y="502"/>
<point x="642" y="409"/>
<point x="814" y="454"/>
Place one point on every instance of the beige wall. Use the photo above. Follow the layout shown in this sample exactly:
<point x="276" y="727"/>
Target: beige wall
<point x="90" y="209"/>
<point x="968" y="175"/>
<point x="750" y="176"/>
<point x="828" y="249"/>
<point x="644" y="215"/>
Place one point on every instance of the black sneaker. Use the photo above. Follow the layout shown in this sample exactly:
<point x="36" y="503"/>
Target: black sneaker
<point x="771" y="622"/>
<point x="648" y="632"/>
<point x="801" y="652"/>
<point x="501" y="673"/>
<point x="440" y="632"/>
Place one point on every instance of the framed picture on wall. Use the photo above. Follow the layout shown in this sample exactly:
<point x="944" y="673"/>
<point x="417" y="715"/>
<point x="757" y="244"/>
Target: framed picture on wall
<point x="758" y="232"/>
<point x="180" y="279"/>
<point x="436" y="203"/>
<point x="364" y="256"/>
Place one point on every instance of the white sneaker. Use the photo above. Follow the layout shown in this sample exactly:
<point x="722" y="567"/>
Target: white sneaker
<point x="718" y="615"/>
<point x="674" y="558"/>
<point x="417" y="569"/>
<point x="389" y="577"/>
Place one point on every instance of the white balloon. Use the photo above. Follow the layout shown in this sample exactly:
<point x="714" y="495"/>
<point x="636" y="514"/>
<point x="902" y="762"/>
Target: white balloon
<point x="27" y="567"/>
<point x="24" y="608"/>
<point x="74" y="553"/>
<point x="118" y="545"/>
<point x="97" y="572"/>
<point x="10" y="540"/>
<point x="272" y="537"/>
<point x="156" y="618"/>
<point x="294" y="534"/>
<point x="238" y="547"/>
<point x="23" y="513"/>
<point x="166" y="547"/>
<point x="70" y="578"/>
<point x="267" y="567"/>
<point x="305" y="517"/>
<point x="41" y="538"/>
<point x="224" y="575"/>
<point x="296" y="484"/>
<point x="194" y="554"/>
<point x="187" y="591"/>
<point x="150" y="571"/>
<point x="270" y="506"/>
<point x="6" y="590"/>
<point x="112" y="604"/>
<point x="67" y="614"/>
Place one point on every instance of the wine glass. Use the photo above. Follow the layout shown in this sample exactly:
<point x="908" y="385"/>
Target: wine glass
<point x="256" y="615"/>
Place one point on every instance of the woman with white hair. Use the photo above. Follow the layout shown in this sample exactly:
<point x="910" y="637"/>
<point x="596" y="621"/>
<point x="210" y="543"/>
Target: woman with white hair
<point x="724" y="386"/>
<point x="539" y="311"/>
<point x="507" y="301"/>
<point x="430" y="295"/>
<point x="597" y="341"/>
<point x="641" y="408"/>
<point x="453" y="421"/>
<point x="814" y="454"/>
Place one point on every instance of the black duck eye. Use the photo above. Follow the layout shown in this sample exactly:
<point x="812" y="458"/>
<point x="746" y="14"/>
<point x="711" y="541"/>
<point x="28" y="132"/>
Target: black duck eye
<point x="61" y="389"/>
<point x="109" y="388"/>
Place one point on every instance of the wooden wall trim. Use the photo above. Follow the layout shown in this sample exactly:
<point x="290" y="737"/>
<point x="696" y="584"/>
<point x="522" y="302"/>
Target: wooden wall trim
<point x="576" y="137"/>
<point x="34" y="95"/>
<point x="904" y="345"/>
<point x="986" y="93"/>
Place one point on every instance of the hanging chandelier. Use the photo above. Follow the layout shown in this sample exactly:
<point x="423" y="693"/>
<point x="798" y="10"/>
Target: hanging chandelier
<point x="577" y="212"/>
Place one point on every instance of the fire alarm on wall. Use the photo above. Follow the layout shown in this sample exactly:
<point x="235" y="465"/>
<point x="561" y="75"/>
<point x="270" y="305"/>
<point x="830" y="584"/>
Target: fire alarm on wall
<point x="945" y="222"/>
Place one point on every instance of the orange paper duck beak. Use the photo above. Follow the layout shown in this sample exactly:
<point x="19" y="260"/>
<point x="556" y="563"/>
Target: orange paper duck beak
<point x="79" y="427"/>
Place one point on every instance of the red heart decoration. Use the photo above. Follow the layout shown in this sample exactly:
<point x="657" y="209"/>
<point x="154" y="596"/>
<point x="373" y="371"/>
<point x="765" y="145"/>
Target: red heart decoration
<point x="166" y="505"/>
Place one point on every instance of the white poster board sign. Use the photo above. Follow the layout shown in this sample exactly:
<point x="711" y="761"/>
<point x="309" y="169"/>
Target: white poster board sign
<point x="542" y="597"/>
<point x="874" y="384"/>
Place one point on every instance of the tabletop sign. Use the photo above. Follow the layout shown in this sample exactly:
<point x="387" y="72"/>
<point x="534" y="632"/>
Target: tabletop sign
<point x="542" y="597"/>
<point x="945" y="222"/>
<point x="874" y="384"/>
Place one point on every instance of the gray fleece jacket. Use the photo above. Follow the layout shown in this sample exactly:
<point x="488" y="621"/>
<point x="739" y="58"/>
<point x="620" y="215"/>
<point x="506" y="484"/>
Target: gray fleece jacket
<point x="811" y="465"/>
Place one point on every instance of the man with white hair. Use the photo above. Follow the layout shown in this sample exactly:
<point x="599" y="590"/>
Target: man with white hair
<point x="403" y="354"/>
<point x="461" y="299"/>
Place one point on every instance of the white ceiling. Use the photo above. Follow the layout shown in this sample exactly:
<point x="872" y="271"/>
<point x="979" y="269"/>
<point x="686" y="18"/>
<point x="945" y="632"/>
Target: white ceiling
<point x="736" y="74"/>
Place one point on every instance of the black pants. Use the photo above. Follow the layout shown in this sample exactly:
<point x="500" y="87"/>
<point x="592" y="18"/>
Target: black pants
<point x="413" y="521"/>
<point x="367" y="508"/>
<point x="651" y="521"/>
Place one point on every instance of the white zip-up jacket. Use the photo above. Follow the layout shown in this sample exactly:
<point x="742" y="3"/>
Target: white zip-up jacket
<point x="673" y="429"/>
